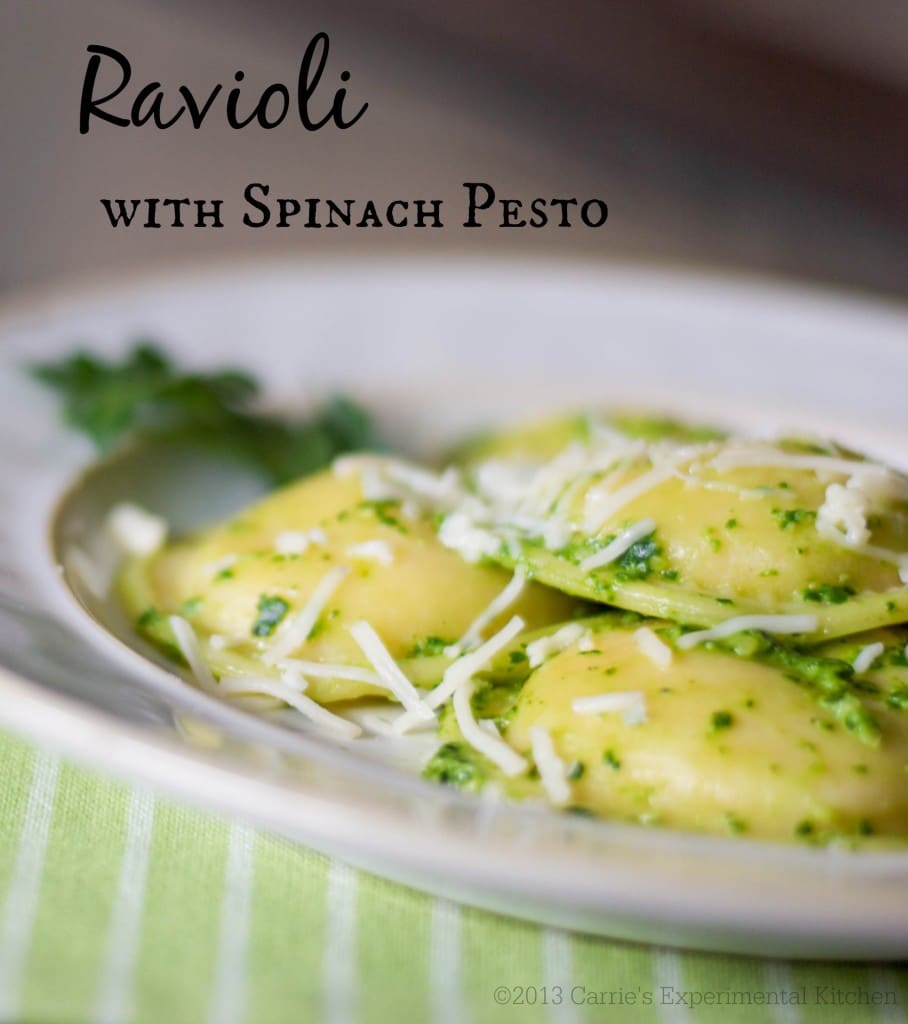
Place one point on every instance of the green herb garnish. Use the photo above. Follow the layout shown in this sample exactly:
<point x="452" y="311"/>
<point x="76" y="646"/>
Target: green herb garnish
<point x="147" y="396"/>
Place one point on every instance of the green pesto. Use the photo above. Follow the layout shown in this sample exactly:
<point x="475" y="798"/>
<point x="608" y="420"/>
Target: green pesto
<point x="148" y="618"/>
<point x="637" y="562"/>
<point x="828" y="593"/>
<point x="497" y="700"/>
<point x="429" y="647"/>
<point x="898" y="699"/>
<point x="735" y="824"/>
<point x="721" y="720"/>
<point x="611" y="759"/>
<point x="830" y="679"/>
<point x="271" y="611"/>
<point x="788" y="517"/>
<point x="382" y="510"/>
<point x="191" y="606"/>
<point x="458" y="765"/>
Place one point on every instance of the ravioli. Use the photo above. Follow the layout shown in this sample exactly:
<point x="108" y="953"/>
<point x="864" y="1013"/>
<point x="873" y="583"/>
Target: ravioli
<point x="705" y="741"/>
<point x="697" y="532"/>
<point x="549" y="437"/>
<point x="242" y="584"/>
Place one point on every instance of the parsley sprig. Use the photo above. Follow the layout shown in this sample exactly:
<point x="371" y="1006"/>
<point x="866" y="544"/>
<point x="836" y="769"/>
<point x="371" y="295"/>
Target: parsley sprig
<point x="147" y="396"/>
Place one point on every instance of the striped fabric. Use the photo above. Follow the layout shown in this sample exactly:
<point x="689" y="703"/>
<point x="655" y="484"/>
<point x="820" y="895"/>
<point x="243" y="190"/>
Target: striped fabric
<point x="118" y="906"/>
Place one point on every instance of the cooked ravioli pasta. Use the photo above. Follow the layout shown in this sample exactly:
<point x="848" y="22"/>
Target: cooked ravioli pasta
<point x="244" y="584"/>
<point x="698" y="532"/>
<point x="708" y="740"/>
<point x="631" y="617"/>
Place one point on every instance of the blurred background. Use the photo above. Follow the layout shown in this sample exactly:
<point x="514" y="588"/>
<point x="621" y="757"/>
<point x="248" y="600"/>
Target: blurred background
<point x="757" y="135"/>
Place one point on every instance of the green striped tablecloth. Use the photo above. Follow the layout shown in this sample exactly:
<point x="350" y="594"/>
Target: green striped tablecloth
<point x="119" y="906"/>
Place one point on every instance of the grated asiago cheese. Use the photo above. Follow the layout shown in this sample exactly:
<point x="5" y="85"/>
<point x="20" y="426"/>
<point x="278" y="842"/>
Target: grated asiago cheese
<point x="867" y="656"/>
<point x="389" y="671"/>
<point x="658" y="652"/>
<point x="289" y="689"/>
<point x="843" y="515"/>
<point x="548" y="646"/>
<point x="621" y="544"/>
<point x="297" y="542"/>
<point x="327" y="670"/>
<point x="586" y="643"/>
<point x="492" y="746"/>
<point x="460" y="533"/>
<point x="551" y="767"/>
<point x="383" y="477"/>
<point x="373" y="550"/>
<point x="603" y="503"/>
<point x="631" y="704"/>
<point x="296" y="630"/>
<point x="765" y="623"/>
<point x="473" y="635"/>
<point x="188" y="644"/>
<point x="134" y="530"/>
<point x="769" y="456"/>
<point x="466" y="666"/>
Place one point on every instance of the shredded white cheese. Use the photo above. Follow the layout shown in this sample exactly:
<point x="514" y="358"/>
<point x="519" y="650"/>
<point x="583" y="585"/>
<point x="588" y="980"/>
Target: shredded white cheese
<point x="134" y="530"/>
<point x="765" y="623"/>
<point x="586" y="643"/>
<point x="658" y="652"/>
<point x="296" y="630"/>
<point x="188" y="644"/>
<point x="767" y="455"/>
<point x="382" y="477"/>
<point x="867" y="656"/>
<point x="221" y="641"/>
<point x="631" y="704"/>
<point x="460" y="533"/>
<point x="389" y="671"/>
<point x="602" y="503"/>
<point x="843" y="515"/>
<point x="465" y="668"/>
<point x="289" y="689"/>
<point x="327" y="670"/>
<point x="547" y="646"/>
<point x="494" y="748"/>
<point x="622" y="543"/>
<point x="373" y="550"/>
<point x="473" y="635"/>
<point x="297" y="542"/>
<point x="551" y="767"/>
